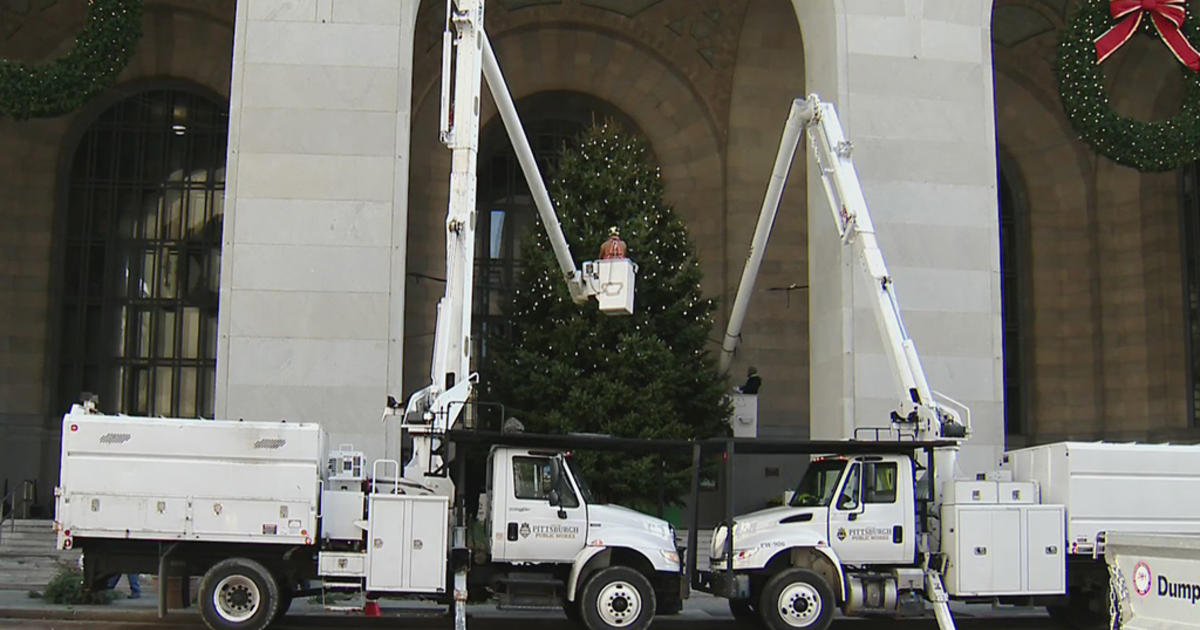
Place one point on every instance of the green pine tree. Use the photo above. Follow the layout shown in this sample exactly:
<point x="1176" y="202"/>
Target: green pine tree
<point x="569" y="368"/>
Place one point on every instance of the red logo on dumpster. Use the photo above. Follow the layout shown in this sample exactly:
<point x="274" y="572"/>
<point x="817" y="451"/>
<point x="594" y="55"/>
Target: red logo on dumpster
<point x="1143" y="579"/>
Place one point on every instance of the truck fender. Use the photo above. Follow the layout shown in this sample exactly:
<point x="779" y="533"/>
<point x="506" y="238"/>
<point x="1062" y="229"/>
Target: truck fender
<point x="813" y="558"/>
<point x="588" y="558"/>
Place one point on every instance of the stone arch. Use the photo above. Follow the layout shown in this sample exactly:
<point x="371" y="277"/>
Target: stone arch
<point x="678" y="128"/>
<point x="768" y="74"/>
<point x="1062" y="293"/>
<point x="1141" y="321"/>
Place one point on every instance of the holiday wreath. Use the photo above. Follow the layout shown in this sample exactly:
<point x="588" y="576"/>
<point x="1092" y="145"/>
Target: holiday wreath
<point x="100" y="51"/>
<point x="1098" y="29"/>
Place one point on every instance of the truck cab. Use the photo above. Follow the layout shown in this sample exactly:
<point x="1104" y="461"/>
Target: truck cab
<point x="788" y="564"/>
<point x="858" y="508"/>
<point x="550" y="539"/>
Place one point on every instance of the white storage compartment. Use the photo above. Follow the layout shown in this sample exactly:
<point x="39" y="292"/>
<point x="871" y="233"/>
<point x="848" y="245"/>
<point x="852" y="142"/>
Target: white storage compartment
<point x="341" y="564"/>
<point x="969" y="492"/>
<point x="983" y="544"/>
<point x="340" y="510"/>
<point x="1045" y="555"/>
<point x="1115" y="487"/>
<point x="1004" y="549"/>
<point x="1020" y="492"/>
<point x="183" y="479"/>
<point x="407" y="543"/>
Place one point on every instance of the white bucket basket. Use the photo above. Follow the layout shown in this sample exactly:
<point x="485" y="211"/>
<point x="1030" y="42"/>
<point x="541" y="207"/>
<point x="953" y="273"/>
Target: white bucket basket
<point x="612" y="282"/>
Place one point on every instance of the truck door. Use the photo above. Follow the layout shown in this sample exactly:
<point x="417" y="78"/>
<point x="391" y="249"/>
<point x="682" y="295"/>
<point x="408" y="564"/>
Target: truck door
<point x="526" y="527"/>
<point x="870" y="521"/>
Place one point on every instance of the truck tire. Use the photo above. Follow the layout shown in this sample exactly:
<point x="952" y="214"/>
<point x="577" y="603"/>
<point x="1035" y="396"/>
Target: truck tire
<point x="238" y="594"/>
<point x="796" y="598"/>
<point x="745" y="611"/>
<point x="617" y="597"/>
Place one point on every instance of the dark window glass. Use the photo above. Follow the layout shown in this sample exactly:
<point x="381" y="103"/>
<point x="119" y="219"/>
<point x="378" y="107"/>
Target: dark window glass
<point x="143" y="254"/>
<point x="879" y="482"/>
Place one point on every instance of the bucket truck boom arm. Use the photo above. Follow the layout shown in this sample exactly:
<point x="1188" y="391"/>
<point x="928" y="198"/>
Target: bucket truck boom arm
<point x="466" y="57"/>
<point x="919" y="411"/>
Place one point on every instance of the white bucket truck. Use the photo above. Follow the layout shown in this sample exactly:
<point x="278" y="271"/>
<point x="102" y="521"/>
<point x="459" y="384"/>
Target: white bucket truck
<point x="261" y="510"/>
<point x="878" y="521"/>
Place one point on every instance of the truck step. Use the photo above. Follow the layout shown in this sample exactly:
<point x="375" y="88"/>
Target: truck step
<point x="529" y="591"/>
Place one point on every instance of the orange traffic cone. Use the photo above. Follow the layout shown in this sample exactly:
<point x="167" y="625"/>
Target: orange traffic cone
<point x="371" y="609"/>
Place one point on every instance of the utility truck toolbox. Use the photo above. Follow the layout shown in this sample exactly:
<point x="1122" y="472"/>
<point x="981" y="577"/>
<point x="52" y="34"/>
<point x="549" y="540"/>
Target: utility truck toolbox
<point x="176" y="479"/>
<point x="1155" y="580"/>
<point x="1115" y="487"/>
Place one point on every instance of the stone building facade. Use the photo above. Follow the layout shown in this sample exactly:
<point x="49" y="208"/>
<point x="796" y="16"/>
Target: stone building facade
<point x="327" y="300"/>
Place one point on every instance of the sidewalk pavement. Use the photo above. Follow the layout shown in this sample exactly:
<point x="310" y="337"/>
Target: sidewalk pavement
<point x="16" y="604"/>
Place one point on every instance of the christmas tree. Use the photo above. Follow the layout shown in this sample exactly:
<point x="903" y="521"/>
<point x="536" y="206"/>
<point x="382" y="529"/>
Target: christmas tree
<point x="568" y="368"/>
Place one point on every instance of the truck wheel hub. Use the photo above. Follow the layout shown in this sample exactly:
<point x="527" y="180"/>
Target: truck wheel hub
<point x="236" y="598"/>
<point x="799" y="605"/>
<point x="619" y="604"/>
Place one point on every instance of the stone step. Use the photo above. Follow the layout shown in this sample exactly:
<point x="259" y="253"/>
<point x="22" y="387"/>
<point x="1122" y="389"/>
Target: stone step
<point x="28" y="524"/>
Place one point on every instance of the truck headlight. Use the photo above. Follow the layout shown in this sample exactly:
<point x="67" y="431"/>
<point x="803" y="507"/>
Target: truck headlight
<point x="658" y="529"/>
<point x="744" y="529"/>
<point x="670" y="556"/>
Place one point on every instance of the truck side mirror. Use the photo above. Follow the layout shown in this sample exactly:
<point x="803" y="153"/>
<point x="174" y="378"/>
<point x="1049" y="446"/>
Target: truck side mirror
<point x="554" y="498"/>
<point x="555" y="474"/>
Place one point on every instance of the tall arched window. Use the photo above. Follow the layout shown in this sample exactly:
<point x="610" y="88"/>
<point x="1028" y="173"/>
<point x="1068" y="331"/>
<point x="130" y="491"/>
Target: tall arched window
<point x="144" y="199"/>
<point x="1012" y="297"/>
<point x="506" y="210"/>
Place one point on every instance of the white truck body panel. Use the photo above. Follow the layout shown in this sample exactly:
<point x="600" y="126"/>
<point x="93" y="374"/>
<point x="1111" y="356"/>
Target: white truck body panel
<point x="1157" y="581"/>
<point x="1115" y="487"/>
<point x="183" y="479"/>
<point x="407" y="543"/>
<point x="1004" y="549"/>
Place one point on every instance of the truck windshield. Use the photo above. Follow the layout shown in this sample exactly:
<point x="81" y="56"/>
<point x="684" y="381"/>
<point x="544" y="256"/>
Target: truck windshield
<point x="584" y="489"/>
<point x="819" y="481"/>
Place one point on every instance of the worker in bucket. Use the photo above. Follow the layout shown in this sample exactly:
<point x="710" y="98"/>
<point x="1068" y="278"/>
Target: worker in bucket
<point x="753" y="382"/>
<point x="614" y="247"/>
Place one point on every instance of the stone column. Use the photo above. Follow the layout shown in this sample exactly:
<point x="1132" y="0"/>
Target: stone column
<point x="912" y="82"/>
<point x="313" y="259"/>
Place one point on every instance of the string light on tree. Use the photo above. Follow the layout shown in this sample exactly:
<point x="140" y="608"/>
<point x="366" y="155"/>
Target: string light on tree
<point x="646" y="375"/>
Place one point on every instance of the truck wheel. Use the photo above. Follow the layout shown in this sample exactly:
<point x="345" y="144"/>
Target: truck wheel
<point x="796" y="598"/>
<point x="238" y="594"/>
<point x="617" y="597"/>
<point x="744" y="611"/>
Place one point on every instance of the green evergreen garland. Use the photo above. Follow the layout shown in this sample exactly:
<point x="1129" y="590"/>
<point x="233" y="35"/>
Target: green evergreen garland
<point x="100" y="52"/>
<point x="1147" y="146"/>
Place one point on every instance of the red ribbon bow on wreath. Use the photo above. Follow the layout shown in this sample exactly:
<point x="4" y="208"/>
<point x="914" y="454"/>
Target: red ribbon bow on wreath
<point x="1168" y="17"/>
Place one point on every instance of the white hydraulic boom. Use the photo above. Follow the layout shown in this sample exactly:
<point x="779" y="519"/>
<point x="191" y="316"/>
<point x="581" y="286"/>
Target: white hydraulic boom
<point x="466" y="57"/>
<point x="919" y="410"/>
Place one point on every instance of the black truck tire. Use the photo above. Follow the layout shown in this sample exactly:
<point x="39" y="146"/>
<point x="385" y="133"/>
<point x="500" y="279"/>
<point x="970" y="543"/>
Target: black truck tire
<point x="238" y="594"/>
<point x="745" y="611"/>
<point x="617" y="598"/>
<point x="796" y="598"/>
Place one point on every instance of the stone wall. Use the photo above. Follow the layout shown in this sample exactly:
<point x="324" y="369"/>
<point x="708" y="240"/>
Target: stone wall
<point x="182" y="41"/>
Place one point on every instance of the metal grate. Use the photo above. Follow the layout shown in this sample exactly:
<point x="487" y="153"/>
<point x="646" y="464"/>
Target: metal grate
<point x="142" y="256"/>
